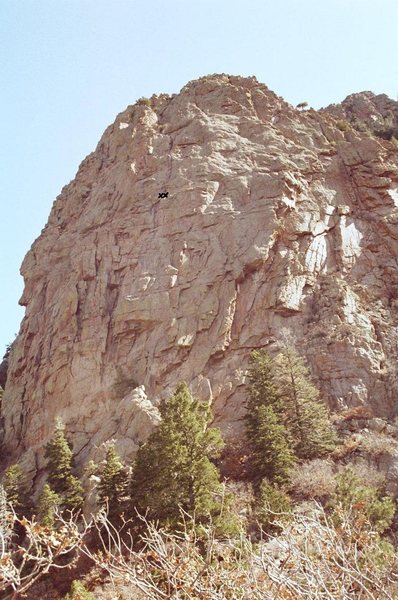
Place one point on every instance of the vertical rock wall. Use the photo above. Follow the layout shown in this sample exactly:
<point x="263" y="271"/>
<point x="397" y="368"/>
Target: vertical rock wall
<point x="274" y="218"/>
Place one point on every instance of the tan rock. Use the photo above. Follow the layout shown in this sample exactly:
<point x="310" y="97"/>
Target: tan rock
<point x="273" y="218"/>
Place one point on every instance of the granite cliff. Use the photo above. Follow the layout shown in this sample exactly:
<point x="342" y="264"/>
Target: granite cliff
<point x="202" y="225"/>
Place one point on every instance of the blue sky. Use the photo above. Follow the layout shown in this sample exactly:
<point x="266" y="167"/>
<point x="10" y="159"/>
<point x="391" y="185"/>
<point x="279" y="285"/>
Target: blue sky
<point x="67" y="67"/>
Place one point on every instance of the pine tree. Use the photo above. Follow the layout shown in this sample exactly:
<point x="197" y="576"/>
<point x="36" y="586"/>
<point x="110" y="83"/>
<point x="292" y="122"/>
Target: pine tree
<point x="73" y="497"/>
<point x="113" y="485"/>
<point x="262" y="389"/>
<point x="59" y="457"/>
<point x="47" y="502"/>
<point x="16" y="489"/>
<point x="306" y="417"/>
<point x="59" y="463"/>
<point x="173" y="468"/>
<point x="271" y="455"/>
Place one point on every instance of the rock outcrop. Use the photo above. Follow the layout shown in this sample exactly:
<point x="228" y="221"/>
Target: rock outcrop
<point x="369" y="113"/>
<point x="201" y="226"/>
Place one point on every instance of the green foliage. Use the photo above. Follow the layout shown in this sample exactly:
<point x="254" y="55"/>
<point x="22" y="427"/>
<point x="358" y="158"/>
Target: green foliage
<point x="305" y="416"/>
<point x="15" y="487"/>
<point x="271" y="505"/>
<point x="227" y="524"/>
<point x="284" y="416"/>
<point x="78" y="592"/>
<point x="351" y="493"/>
<point x="262" y="389"/>
<point x="343" y="125"/>
<point x="271" y="455"/>
<point x="173" y="468"/>
<point x="302" y="105"/>
<point x="359" y="125"/>
<point x="59" y="463"/>
<point x="383" y="553"/>
<point x="73" y="497"/>
<point x="90" y="468"/>
<point x="59" y="459"/>
<point x="113" y="485"/>
<point x="47" y="502"/>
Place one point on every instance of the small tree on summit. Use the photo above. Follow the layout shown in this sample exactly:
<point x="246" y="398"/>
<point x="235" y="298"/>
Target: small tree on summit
<point x="59" y="463"/>
<point x="173" y="468"/>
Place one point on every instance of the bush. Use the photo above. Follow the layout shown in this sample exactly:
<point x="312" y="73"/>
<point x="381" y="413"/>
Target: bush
<point x="368" y="475"/>
<point x="343" y="125"/>
<point x="349" y="446"/>
<point x="377" y="444"/>
<point x="365" y="501"/>
<point x="314" y="479"/>
<point x="234" y="458"/>
<point x="25" y="558"/>
<point x="6" y="519"/>
<point x="144" y="101"/>
<point x="242" y="498"/>
<point x="272" y="507"/>
<point x="357" y="412"/>
<point x="78" y="592"/>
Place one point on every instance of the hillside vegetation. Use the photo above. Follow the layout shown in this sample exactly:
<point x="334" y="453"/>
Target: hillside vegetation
<point x="171" y="526"/>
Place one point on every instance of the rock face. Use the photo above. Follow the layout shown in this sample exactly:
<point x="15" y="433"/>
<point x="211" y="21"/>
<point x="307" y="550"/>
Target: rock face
<point x="274" y="218"/>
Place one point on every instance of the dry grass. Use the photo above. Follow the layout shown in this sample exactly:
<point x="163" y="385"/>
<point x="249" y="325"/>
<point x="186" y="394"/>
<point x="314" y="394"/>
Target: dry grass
<point x="314" y="479"/>
<point x="368" y="475"/>
<point x="376" y="445"/>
